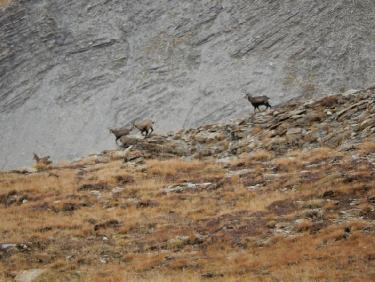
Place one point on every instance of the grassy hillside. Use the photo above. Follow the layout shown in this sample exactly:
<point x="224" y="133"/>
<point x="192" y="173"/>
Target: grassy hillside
<point x="246" y="201"/>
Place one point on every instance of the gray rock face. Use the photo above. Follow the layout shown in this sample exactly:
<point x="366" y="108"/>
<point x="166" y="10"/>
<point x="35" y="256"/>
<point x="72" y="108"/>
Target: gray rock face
<point x="70" y="69"/>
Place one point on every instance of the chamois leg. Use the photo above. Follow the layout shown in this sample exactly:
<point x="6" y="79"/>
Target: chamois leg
<point x="148" y="133"/>
<point x="268" y="106"/>
<point x="145" y="131"/>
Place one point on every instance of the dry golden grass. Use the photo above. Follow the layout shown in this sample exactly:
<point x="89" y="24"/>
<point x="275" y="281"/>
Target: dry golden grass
<point x="256" y="130"/>
<point x="251" y="159"/>
<point x="179" y="169"/>
<point x="304" y="226"/>
<point x="173" y="167"/>
<point x="261" y="155"/>
<point x="4" y="3"/>
<point x="288" y="164"/>
<point x="367" y="147"/>
<point x="116" y="222"/>
<point x="40" y="166"/>
<point x="321" y="154"/>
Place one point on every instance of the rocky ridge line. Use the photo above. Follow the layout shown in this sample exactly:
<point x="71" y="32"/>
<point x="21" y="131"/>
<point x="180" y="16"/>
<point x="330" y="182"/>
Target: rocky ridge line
<point x="339" y="121"/>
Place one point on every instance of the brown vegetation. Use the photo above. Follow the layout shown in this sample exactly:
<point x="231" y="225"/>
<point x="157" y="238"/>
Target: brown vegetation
<point x="4" y="3"/>
<point x="116" y="222"/>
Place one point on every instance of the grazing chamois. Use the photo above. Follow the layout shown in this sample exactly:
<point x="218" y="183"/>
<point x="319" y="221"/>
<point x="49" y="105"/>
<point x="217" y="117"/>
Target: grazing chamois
<point x="145" y="126"/>
<point x="43" y="161"/>
<point x="119" y="132"/>
<point x="257" y="101"/>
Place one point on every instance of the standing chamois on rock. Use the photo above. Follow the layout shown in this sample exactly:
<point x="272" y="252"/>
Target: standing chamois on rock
<point x="119" y="132"/>
<point x="145" y="126"/>
<point x="257" y="101"/>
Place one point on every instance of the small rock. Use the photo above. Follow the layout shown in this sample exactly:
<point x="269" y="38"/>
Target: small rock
<point x="283" y="228"/>
<point x="96" y="193"/>
<point x="254" y="187"/>
<point x="313" y="214"/>
<point x="117" y="190"/>
<point x="264" y="242"/>
<point x="29" y="275"/>
<point x="186" y="187"/>
<point x="350" y="92"/>
<point x="7" y="246"/>
<point x="104" y="259"/>
<point x="240" y="173"/>
<point x="294" y="130"/>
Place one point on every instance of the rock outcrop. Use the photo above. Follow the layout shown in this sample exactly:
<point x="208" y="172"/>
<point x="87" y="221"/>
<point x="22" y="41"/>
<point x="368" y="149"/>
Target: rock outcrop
<point x="69" y="69"/>
<point x="341" y="122"/>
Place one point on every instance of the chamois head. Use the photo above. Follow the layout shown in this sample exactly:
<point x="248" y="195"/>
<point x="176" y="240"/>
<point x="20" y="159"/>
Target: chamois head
<point x="246" y="95"/>
<point x="133" y="123"/>
<point x="35" y="157"/>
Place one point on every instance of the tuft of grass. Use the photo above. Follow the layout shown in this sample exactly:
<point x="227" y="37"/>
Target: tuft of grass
<point x="367" y="147"/>
<point x="261" y="155"/>
<point x="4" y="3"/>
<point x="304" y="226"/>
<point x="173" y="167"/>
<point x="288" y="164"/>
<point x="321" y="154"/>
<point x="39" y="166"/>
<point x="176" y="168"/>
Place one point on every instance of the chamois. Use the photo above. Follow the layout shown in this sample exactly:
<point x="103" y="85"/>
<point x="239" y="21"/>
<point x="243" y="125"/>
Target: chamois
<point x="119" y="132"/>
<point x="42" y="161"/>
<point x="145" y="126"/>
<point x="257" y="101"/>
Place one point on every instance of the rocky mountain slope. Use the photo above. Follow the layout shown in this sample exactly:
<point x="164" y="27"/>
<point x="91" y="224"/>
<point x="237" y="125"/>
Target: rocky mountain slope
<point x="284" y="195"/>
<point x="70" y="69"/>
